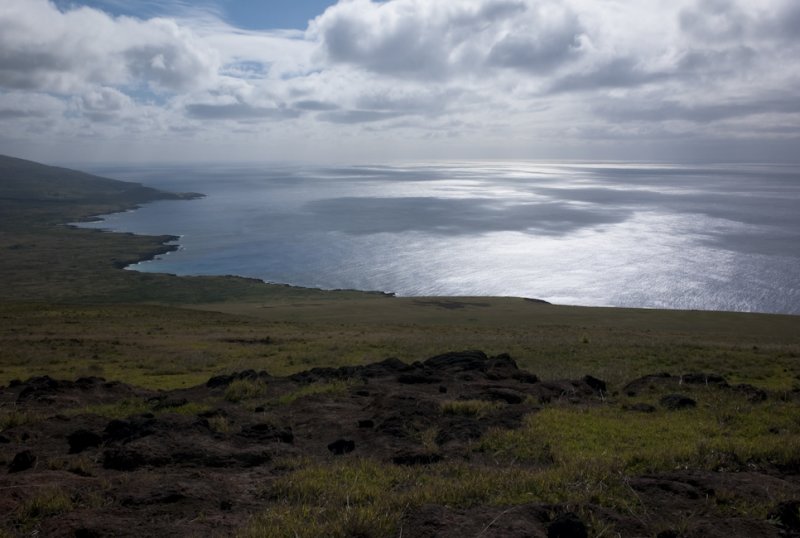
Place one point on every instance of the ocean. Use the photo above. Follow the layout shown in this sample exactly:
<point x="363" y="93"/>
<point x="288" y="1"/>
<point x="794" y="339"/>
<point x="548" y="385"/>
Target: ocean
<point x="723" y="237"/>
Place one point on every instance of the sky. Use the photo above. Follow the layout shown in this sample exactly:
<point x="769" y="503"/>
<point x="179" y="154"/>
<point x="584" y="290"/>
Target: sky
<point x="361" y="81"/>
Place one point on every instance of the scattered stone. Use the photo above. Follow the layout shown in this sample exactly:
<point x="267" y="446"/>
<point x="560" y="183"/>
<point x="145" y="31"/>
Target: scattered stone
<point x="81" y="440"/>
<point x="22" y="462"/>
<point x="341" y="446"/>
<point x="675" y="402"/>
<point x="567" y="525"/>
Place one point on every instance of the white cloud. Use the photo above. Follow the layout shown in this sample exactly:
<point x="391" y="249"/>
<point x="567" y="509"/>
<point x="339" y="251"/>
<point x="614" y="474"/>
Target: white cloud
<point x="405" y="78"/>
<point x="44" y="49"/>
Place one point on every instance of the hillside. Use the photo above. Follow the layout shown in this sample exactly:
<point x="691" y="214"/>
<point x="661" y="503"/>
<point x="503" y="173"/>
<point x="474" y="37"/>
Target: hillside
<point x="44" y="259"/>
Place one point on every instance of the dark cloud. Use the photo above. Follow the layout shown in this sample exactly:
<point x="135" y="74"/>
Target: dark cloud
<point x="618" y="73"/>
<point x="312" y="105"/>
<point x="239" y="111"/>
<point x="698" y="113"/>
<point x="541" y="51"/>
<point x="10" y="114"/>
<point x="359" y="116"/>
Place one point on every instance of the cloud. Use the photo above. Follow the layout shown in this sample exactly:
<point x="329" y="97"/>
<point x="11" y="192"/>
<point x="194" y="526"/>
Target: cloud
<point x="406" y="78"/>
<point x="701" y="112"/>
<point x="238" y="111"/>
<point x="423" y="39"/>
<point x="44" y="49"/>
<point x="104" y="104"/>
<point x="20" y="105"/>
<point x="618" y="73"/>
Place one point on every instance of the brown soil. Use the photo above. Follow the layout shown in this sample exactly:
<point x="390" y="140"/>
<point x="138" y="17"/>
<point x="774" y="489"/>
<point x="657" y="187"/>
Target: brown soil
<point x="169" y="474"/>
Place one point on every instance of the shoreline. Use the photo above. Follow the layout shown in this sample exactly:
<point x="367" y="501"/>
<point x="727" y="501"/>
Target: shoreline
<point x="129" y="263"/>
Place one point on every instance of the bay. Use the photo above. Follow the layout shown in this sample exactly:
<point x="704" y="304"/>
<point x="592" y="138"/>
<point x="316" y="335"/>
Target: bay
<point x="723" y="237"/>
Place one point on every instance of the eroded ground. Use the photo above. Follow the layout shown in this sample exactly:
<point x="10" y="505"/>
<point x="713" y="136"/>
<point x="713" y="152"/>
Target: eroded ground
<point x="456" y="445"/>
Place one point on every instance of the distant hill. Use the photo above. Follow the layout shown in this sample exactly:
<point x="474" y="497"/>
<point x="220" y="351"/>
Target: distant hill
<point x="27" y="181"/>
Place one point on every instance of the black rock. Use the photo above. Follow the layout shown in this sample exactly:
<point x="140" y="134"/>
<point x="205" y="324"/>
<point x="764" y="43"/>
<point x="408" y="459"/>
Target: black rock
<point x="506" y="395"/>
<point x="525" y="377"/>
<point x="225" y="380"/>
<point x="597" y="385"/>
<point x="86" y="533"/>
<point x="442" y="389"/>
<point x="4" y="440"/>
<point x="458" y="360"/>
<point x="567" y="525"/>
<point x="366" y="424"/>
<point x="418" y="379"/>
<point x="80" y="440"/>
<point x="267" y="433"/>
<point x="341" y="446"/>
<point x="668" y="534"/>
<point x="128" y="430"/>
<point x="22" y="462"/>
<point x="787" y="514"/>
<point x="675" y="402"/>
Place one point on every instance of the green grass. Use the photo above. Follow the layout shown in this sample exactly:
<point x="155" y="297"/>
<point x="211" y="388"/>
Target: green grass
<point x="723" y="433"/>
<point x="320" y="388"/>
<point x="47" y="502"/>
<point x="368" y="498"/>
<point x="577" y="455"/>
<point x="11" y="418"/>
<point x="136" y="406"/>
<point x="245" y="389"/>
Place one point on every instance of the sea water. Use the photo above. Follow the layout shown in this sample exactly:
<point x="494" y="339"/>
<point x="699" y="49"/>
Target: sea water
<point x="613" y="234"/>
